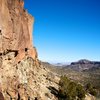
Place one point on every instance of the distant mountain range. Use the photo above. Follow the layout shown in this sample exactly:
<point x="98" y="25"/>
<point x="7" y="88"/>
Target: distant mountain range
<point x="61" y="64"/>
<point x="83" y="65"/>
<point x="82" y="71"/>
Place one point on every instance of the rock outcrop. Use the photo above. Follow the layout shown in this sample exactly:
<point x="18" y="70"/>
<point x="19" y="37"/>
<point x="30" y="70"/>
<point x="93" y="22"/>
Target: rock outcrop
<point x="22" y="76"/>
<point x="26" y="81"/>
<point x="16" y="29"/>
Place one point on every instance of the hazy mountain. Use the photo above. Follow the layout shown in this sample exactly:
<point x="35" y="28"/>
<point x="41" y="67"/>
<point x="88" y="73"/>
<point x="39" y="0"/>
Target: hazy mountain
<point x="83" y="65"/>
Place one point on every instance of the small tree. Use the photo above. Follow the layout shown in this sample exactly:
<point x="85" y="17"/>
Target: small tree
<point x="90" y="89"/>
<point x="63" y="84"/>
<point x="80" y="92"/>
<point x="64" y="81"/>
<point x="69" y="90"/>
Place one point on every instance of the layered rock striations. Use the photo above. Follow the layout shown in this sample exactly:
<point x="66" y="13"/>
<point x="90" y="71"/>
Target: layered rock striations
<point x="16" y="29"/>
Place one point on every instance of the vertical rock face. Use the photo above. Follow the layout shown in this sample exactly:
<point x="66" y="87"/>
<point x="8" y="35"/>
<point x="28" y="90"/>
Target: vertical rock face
<point x="16" y="29"/>
<point x="28" y="79"/>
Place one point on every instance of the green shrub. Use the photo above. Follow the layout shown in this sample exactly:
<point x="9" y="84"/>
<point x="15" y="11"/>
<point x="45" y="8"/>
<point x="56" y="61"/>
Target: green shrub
<point x="90" y="89"/>
<point x="93" y="92"/>
<point x="88" y="86"/>
<point x="64" y="81"/>
<point x="69" y="90"/>
<point x="80" y="91"/>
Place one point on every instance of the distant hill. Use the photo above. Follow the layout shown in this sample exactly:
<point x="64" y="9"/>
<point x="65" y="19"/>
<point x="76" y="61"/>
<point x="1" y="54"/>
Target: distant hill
<point x="82" y="71"/>
<point x="83" y="65"/>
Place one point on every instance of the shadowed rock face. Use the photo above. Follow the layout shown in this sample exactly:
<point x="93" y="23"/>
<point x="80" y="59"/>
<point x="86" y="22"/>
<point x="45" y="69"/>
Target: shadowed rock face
<point x="16" y="29"/>
<point x="1" y="96"/>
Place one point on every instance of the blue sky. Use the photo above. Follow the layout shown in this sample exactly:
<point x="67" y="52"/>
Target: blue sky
<point x="66" y="30"/>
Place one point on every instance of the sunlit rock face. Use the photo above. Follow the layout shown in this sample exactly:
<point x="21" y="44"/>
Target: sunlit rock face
<point x="22" y="76"/>
<point x="16" y="29"/>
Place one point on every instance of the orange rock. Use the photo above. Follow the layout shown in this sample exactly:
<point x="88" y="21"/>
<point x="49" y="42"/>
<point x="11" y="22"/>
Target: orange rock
<point x="16" y="29"/>
<point x="21" y="3"/>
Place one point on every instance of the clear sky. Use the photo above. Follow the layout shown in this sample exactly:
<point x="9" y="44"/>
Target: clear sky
<point x="66" y="30"/>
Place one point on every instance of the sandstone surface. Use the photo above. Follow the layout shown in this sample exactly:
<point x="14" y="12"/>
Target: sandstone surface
<point x="22" y="76"/>
<point x="16" y="27"/>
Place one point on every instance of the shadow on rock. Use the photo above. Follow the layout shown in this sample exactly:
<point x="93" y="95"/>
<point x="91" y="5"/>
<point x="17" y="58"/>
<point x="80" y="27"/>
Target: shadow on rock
<point x="53" y="90"/>
<point x="1" y="96"/>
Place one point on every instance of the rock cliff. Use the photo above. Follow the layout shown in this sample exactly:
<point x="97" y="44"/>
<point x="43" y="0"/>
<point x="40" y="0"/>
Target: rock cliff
<point x="22" y="76"/>
<point x="16" y="29"/>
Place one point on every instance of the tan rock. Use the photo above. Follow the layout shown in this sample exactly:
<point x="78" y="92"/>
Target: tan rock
<point x="90" y="97"/>
<point x="20" y="78"/>
<point x="16" y="28"/>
